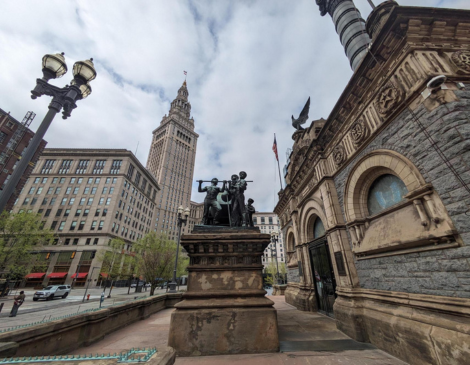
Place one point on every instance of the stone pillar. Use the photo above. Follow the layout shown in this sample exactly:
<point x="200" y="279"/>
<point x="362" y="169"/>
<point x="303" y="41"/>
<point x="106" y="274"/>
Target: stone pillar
<point x="225" y="310"/>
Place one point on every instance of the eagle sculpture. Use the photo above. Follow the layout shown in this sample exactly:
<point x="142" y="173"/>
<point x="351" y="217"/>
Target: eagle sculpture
<point x="296" y="123"/>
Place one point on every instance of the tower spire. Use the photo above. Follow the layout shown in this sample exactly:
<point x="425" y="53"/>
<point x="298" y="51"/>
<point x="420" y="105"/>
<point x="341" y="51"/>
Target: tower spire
<point x="181" y="105"/>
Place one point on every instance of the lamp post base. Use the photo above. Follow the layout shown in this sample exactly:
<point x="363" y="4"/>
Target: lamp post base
<point x="172" y="287"/>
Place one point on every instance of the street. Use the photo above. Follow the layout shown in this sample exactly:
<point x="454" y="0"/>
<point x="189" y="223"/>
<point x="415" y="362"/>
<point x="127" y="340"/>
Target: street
<point x="42" y="310"/>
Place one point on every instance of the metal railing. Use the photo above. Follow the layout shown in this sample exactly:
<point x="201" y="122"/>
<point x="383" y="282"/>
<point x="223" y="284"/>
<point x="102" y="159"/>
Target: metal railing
<point x="133" y="355"/>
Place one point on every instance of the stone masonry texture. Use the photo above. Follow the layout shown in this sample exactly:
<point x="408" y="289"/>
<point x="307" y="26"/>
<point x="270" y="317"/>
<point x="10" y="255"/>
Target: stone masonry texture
<point x="440" y="272"/>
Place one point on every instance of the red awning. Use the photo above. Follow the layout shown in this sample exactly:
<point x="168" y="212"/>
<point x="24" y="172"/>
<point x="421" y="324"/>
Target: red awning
<point x="56" y="275"/>
<point x="35" y="275"/>
<point x="81" y="275"/>
<point x="103" y="274"/>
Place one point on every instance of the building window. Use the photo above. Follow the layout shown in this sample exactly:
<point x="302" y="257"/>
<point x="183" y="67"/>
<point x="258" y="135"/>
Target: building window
<point x="318" y="228"/>
<point x="254" y="220"/>
<point x="44" y="201"/>
<point x="61" y="226"/>
<point x="82" y="201"/>
<point x="97" y="180"/>
<point x="73" y="225"/>
<point x="75" y="190"/>
<point x="137" y="178"/>
<point x="130" y="171"/>
<point x="115" y="167"/>
<point x="262" y="220"/>
<point x="48" y="212"/>
<point x="114" y="180"/>
<point x="68" y="191"/>
<point x="81" y="225"/>
<point x="93" y="225"/>
<point x="72" y="180"/>
<point x="78" y="212"/>
<point x="71" y="201"/>
<point x="52" y="201"/>
<point x="90" y="201"/>
<point x="64" y="200"/>
<point x="101" y="201"/>
<point x="26" y="201"/>
<point x="75" y="241"/>
<point x="108" y="201"/>
<point x="93" y="191"/>
<point x="48" y="166"/>
<point x="67" y="212"/>
<point x="57" y="190"/>
<point x="65" y="167"/>
<point x="31" y="191"/>
<point x="97" y="213"/>
<point x="108" y="180"/>
<point x="105" y="211"/>
<point x="85" y="212"/>
<point x="54" y="223"/>
<point x="270" y="220"/>
<point x="67" y="242"/>
<point x="58" y="213"/>
<point x="88" y="240"/>
<point x="100" y="227"/>
<point x="99" y="166"/>
<point x="386" y="191"/>
<point x="82" y="167"/>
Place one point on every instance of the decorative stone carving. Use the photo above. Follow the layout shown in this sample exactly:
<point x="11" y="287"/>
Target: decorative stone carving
<point x="359" y="132"/>
<point x="339" y="155"/>
<point x="462" y="60"/>
<point x="389" y="97"/>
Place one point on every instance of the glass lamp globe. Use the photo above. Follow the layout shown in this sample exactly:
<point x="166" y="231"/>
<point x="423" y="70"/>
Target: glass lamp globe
<point x="186" y="212"/>
<point x="85" y="89"/>
<point x="180" y="210"/>
<point x="54" y="66"/>
<point x="84" y="70"/>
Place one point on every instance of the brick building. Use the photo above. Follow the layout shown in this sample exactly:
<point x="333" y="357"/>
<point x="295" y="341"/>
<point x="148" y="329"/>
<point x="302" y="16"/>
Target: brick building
<point x="88" y="197"/>
<point x="375" y="211"/>
<point x="14" y="137"/>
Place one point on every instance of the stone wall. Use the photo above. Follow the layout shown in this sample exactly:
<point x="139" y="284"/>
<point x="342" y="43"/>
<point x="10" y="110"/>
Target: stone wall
<point x="440" y="272"/>
<point x="65" y="335"/>
<point x="293" y="275"/>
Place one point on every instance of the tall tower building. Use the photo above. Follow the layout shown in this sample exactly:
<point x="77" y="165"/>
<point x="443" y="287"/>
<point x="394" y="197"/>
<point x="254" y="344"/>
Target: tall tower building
<point x="171" y="161"/>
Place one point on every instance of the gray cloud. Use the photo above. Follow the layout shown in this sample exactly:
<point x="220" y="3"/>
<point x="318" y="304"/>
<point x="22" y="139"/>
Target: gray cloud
<point x="251" y="64"/>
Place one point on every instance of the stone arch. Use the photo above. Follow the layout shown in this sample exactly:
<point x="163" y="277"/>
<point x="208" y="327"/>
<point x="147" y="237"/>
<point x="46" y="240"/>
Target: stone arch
<point x="367" y="170"/>
<point x="312" y="209"/>
<point x="290" y="239"/>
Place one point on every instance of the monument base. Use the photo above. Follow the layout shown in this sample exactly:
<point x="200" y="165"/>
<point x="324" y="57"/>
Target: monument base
<point x="224" y="310"/>
<point x="202" y="332"/>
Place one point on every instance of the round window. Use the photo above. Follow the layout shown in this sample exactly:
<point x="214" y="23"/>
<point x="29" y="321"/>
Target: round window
<point x="386" y="191"/>
<point x="318" y="228"/>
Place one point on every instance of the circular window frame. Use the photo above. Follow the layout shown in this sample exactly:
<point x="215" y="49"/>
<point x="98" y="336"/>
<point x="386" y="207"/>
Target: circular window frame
<point x="367" y="170"/>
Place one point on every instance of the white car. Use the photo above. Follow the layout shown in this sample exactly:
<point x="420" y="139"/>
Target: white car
<point x="52" y="291"/>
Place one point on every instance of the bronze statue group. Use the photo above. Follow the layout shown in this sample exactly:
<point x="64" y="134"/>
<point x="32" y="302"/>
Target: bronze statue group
<point x="239" y="214"/>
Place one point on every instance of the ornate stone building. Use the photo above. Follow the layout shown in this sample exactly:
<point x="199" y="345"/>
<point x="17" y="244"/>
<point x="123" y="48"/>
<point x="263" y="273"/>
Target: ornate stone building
<point x="376" y="208"/>
<point x="171" y="160"/>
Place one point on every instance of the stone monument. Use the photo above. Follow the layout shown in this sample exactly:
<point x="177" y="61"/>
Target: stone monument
<point x="224" y="310"/>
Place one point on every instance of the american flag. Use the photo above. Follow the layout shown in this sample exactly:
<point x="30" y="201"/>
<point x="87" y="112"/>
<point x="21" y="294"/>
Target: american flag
<point x="275" y="148"/>
<point x="185" y="72"/>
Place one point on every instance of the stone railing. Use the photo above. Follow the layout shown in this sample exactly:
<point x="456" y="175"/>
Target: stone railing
<point x="65" y="335"/>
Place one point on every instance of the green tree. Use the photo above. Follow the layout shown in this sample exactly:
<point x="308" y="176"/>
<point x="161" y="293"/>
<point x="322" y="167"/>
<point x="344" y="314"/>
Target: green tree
<point x="283" y="271"/>
<point x="111" y="259"/>
<point x="20" y="235"/>
<point x="271" y="272"/>
<point x="155" y="258"/>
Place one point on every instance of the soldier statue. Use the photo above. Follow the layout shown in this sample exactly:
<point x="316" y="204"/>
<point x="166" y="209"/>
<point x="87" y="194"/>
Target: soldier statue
<point x="237" y="187"/>
<point x="212" y="207"/>
<point x="250" y="209"/>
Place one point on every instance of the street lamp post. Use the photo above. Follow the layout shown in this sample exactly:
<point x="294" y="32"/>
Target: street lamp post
<point x="181" y="221"/>
<point x="53" y="67"/>
<point x="274" y="240"/>
<point x="89" y="280"/>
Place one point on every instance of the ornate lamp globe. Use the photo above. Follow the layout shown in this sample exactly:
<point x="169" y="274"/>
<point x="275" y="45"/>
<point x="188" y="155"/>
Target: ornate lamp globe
<point x="85" y="89"/>
<point x="84" y="71"/>
<point x="180" y="210"/>
<point x="186" y="212"/>
<point x="53" y="66"/>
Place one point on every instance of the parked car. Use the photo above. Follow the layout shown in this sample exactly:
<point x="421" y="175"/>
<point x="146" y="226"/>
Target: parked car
<point x="52" y="291"/>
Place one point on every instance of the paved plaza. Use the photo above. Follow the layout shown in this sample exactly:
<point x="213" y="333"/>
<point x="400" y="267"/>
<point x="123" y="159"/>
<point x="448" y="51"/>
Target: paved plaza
<point x="305" y="338"/>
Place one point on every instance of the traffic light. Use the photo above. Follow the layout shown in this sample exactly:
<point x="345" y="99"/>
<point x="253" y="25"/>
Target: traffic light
<point x="73" y="254"/>
<point x="48" y="255"/>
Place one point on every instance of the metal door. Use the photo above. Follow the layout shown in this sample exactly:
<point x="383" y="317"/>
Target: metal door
<point x="323" y="275"/>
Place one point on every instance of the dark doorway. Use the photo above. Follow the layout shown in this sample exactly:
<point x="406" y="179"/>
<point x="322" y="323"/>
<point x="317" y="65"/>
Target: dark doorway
<point x="323" y="275"/>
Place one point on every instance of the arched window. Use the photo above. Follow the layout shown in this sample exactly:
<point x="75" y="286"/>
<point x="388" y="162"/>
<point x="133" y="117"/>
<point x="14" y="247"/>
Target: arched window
<point x="318" y="228"/>
<point x="386" y="191"/>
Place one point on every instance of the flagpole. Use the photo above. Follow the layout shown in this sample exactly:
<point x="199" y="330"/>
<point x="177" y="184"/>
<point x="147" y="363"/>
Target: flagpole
<point x="278" y="166"/>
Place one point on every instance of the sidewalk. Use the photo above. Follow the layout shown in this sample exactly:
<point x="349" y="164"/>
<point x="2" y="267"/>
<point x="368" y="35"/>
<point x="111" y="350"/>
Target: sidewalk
<point x="305" y="338"/>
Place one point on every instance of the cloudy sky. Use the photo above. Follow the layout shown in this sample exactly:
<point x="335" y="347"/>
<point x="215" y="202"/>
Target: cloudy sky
<point x="250" y="64"/>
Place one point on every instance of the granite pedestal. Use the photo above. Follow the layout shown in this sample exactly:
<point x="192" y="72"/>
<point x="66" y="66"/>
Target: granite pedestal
<point x="224" y="310"/>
